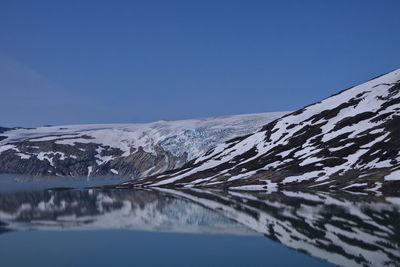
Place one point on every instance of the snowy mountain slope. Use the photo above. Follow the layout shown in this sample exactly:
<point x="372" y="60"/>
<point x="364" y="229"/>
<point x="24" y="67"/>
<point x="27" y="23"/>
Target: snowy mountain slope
<point x="350" y="140"/>
<point x="125" y="149"/>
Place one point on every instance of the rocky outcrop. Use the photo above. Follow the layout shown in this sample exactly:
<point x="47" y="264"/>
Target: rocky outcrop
<point x="44" y="158"/>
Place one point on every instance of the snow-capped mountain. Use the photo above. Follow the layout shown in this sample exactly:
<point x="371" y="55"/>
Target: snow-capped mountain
<point x="350" y="140"/>
<point x="132" y="150"/>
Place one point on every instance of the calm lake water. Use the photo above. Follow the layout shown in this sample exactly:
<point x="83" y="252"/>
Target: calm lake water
<point x="80" y="227"/>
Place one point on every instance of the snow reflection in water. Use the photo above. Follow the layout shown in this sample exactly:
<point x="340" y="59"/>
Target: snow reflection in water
<point x="344" y="229"/>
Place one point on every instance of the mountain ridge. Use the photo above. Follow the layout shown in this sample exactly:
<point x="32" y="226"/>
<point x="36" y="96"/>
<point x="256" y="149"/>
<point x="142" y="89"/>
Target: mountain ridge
<point x="131" y="150"/>
<point x="345" y="141"/>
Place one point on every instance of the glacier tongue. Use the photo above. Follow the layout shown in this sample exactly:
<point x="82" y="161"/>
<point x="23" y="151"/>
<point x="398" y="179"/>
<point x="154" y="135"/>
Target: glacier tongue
<point x="126" y="149"/>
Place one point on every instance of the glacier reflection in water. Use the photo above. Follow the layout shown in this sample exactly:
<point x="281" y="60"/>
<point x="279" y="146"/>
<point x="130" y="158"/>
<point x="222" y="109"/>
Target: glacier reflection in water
<point x="344" y="229"/>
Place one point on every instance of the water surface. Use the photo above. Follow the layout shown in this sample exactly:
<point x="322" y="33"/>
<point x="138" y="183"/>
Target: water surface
<point x="195" y="228"/>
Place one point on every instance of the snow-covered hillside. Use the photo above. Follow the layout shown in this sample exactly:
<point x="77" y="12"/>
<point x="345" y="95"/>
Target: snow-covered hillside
<point x="350" y="140"/>
<point x="124" y="149"/>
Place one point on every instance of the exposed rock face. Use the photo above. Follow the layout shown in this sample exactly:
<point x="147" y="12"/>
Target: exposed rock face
<point x="132" y="150"/>
<point x="84" y="159"/>
<point x="350" y="141"/>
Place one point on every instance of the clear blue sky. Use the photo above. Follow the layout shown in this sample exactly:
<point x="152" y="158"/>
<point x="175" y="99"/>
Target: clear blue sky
<point x="64" y="62"/>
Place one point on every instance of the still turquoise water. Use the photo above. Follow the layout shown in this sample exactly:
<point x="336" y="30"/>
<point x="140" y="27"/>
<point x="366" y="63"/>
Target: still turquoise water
<point x="135" y="248"/>
<point x="164" y="227"/>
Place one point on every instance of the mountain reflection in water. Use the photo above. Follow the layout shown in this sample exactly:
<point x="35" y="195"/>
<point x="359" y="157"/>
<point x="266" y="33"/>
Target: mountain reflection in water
<point x="344" y="229"/>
